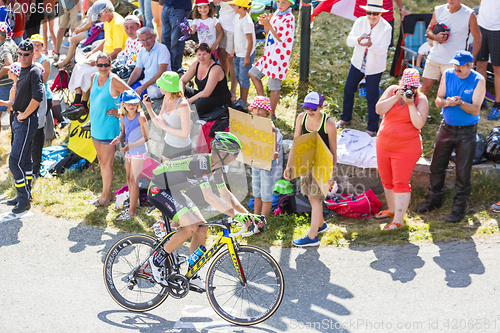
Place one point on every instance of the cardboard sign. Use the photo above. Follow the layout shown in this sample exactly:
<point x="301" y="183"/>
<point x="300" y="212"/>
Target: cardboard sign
<point x="80" y="141"/>
<point x="257" y="138"/>
<point x="311" y="155"/>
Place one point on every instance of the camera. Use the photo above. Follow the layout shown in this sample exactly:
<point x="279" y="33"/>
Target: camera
<point x="408" y="93"/>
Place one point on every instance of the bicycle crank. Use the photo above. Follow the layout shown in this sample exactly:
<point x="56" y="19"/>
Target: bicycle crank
<point x="178" y="285"/>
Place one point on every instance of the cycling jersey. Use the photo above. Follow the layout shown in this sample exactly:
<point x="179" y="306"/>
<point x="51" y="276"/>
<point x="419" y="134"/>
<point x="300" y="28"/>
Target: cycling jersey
<point x="174" y="178"/>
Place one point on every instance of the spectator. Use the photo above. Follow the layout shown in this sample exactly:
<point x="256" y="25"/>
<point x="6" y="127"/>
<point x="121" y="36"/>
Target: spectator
<point x="42" y="59"/>
<point x="174" y="117"/>
<point x="280" y="29"/>
<point x="460" y="94"/>
<point x="48" y="23"/>
<point x="173" y="11"/>
<point x="211" y="82"/>
<point x="460" y="21"/>
<point x="156" y="9"/>
<point x="147" y="14"/>
<point x="20" y="18"/>
<point x="370" y="36"/>
<point x="105" y="89"/>
<point x="29" y="94"/>
<point x="7" y="16"/>
<point x="489" y="25"/>
<point x="33" y="22"/>
<point x="70" y="16"/>
<point x="154" y="59"/>
<point x="310" y="120"/>
<point x="244" y="46"/>
<point x="423" y="52"/>
<point x="8" y="54"/>
<point x="132" y="45"/>
<point x="226" y="19"/>
<point x="399" y="144"/>
<point x="207" y="26"/>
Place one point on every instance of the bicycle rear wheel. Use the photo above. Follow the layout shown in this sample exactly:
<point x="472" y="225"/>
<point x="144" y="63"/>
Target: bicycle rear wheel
<point x="253" y="302"/>
<point x="131" y="286"/>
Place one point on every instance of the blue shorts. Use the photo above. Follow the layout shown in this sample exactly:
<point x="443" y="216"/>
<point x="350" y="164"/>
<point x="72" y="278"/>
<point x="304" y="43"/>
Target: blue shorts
<point x="241" y="72"/>
<point x="102" y="142"/>
<point x="262" y="182"/>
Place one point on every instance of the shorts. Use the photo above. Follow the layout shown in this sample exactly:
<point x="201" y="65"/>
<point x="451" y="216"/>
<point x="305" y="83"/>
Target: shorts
<point x="490" y="46"/>
<point x="262" y="182"/>
<point x="68" y="19"/>
<point x="173" y="152"/>
<point x="272" y="84"/>
<point x="227" y="41"/>
<point x="136" y="156"/>
<point x="434" y="70"/>
<point x="241" y="71"/>
<point x="102" y="142"/>
<point x="310" y="188"/>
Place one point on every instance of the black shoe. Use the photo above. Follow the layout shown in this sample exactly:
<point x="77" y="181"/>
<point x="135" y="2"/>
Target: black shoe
<point x="428" y="206"/>
<point x="11" y="202"/>
<point x="21" y="208"/>
<point x="455" y="217"/>
<point x="74" y="111"/>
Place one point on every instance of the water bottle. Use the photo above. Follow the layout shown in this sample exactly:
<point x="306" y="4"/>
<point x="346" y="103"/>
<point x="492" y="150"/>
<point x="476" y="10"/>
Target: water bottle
<point x="193" y="258"/>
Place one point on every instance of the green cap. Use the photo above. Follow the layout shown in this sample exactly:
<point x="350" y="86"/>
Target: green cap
<point x="169" y="81"/>
<point x="283" y="187"/>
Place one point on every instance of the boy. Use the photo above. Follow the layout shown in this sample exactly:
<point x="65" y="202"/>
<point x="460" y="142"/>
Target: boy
<point x="313" y="120"/>
<point x="244" y="46"/>
<point x="275" y="61"/>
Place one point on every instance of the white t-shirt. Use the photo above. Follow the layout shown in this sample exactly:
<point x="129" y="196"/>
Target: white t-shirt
<point x="489" y="13"/>
<point x="241" y="28"/>
<point x="424" y="49"/>
<point x="206" y="30"/>
<point x="226" y="16"/>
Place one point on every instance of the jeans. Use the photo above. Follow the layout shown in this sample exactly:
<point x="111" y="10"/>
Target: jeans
<point x="372" y="95"/>
<point x="171" y="33"/>
<point x="147" y="14"/>
<point x="463" y="140"/>
<point x="241" y="71"/>
<point x="20" y="163"/>
<point x="204" y="105"/>
<point x="4" y="95"/>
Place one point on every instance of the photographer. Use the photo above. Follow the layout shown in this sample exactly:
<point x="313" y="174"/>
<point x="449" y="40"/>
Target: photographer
<point x="399" y="144"/>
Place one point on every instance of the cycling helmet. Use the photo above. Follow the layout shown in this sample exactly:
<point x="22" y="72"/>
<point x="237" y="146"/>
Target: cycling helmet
<point x="226" y="142"/>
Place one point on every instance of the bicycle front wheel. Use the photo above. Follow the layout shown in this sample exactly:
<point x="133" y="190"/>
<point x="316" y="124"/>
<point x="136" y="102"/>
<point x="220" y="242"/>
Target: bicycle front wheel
<point x="250" y="303"/>
<point x="132" y="286"/>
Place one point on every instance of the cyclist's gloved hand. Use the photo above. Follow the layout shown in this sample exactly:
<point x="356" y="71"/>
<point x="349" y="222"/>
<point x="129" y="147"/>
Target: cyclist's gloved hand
<point x="243" y="218"/>
<point x="250" y="219"/>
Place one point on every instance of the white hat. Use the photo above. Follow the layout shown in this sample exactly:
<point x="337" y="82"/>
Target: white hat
<point x="374" y="6"/>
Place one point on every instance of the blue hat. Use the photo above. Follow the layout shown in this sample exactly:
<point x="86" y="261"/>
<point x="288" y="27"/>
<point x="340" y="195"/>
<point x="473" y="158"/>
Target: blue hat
<point x="461" y="58"/>
<point x="313" y="100"/>
<point x="130" y="97"/>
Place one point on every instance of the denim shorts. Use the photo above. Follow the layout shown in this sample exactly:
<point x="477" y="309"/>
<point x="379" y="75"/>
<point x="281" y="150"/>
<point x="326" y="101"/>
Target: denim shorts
<point x="241" y="72"/>
<point x="262" y="182"/>
<point x="102" y="142"/>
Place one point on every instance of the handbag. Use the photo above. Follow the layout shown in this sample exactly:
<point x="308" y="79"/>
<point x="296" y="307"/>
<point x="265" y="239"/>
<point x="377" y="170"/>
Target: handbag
<point x="362" y="206"/>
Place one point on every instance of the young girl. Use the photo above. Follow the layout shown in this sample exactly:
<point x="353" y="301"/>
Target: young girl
<point x="208" y="27"/>
<point x="135" y="131"/>
<point x="263" y="180"/>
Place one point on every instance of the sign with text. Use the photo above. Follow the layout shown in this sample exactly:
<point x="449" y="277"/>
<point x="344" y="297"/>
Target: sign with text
<point x="256" y="136"/>
<point x="311" y="155"/>
<point x="80" y="141"/>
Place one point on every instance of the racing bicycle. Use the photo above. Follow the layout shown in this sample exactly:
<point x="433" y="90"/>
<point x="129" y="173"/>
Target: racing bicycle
<point x="244" y="284"/>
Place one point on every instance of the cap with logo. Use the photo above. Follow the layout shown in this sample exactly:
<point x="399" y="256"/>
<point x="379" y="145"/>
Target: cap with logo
<point x="26" y="45"/>
<point x="130" y="97"/>
<point x="313" y="100"/>
<point x="461" y="58"/>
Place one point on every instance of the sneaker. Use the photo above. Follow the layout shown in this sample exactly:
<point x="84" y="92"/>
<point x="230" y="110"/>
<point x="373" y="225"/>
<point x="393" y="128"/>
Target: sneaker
<point x="495" y="207"/>
<point x="198" y="282"/>
<point x="494" y="114"/>
<point x="66" y="45"/>
<point x="323" y="228"/>
<point x="306" y="241"/>
<point x="158" y="272"/>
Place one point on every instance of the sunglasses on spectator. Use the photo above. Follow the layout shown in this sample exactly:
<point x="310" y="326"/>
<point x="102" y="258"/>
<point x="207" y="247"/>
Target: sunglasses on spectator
<point x="372" y="13"/>
<point x="305" y="108"/>
<point x="22" y="54"/>
<point x="103" y="65"/>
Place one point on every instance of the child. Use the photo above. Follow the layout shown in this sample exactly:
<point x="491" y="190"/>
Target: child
<point x="208" y="27"/>
<point x="275" y="61"/>
<point x="423" y="52"/>
<point x="13" y="73"/>
<point x="135" y="131"/>
<point x="244" y="46"/>
<point x="313" y="120"/>
<point x="263" y="180"/>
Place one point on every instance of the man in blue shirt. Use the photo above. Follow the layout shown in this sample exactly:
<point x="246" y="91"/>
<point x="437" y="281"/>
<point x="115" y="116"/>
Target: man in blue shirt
<point x="460" y="94"/>
<point x="173" y="11"/>
<point x="154" y="59"/>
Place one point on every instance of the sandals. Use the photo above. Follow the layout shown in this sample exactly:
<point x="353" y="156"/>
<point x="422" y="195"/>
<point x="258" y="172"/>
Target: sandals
<point x="392" y="226"/>
<point x="346" y="123"/>
<point x="384" y="214"/>
<point x="124" y="217"/>
<point x="97" y="203"/>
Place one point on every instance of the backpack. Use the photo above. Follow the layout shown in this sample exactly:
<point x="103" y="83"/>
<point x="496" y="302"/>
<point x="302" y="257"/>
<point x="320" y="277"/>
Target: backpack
<point x="358" y="207"/>
<point x="293" y="203"/>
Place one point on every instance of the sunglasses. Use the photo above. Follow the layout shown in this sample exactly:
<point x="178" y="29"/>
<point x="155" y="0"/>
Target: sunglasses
<point x="372" y="13"/>
<point x="305" y="108"/>
<point x="22" y="54"/>
<point x="103" y="65"/>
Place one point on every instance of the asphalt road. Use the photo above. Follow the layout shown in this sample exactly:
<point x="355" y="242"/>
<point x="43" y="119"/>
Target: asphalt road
<point x="52" y="282"/>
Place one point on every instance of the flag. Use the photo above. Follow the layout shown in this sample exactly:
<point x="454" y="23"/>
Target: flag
<point x="344" y="8"/>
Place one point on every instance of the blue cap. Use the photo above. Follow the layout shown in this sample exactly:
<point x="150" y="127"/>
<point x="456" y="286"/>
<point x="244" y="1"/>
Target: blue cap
<point x="461" y="58"/>
<point x="130" y="97"/>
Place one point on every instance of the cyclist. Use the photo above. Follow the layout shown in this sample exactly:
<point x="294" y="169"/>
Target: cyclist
<point x="167" y="191"/>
